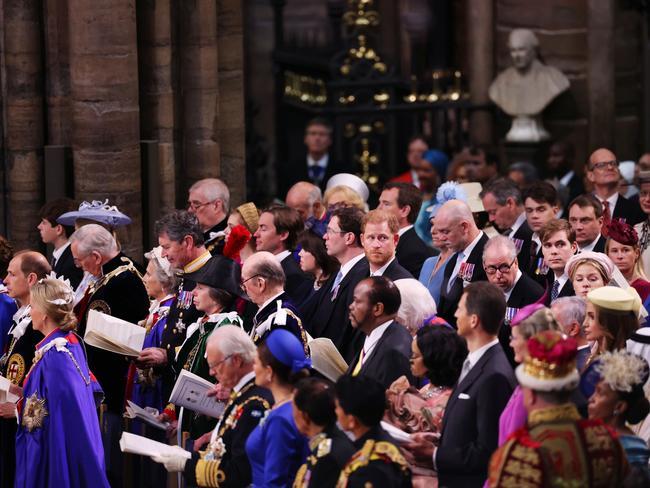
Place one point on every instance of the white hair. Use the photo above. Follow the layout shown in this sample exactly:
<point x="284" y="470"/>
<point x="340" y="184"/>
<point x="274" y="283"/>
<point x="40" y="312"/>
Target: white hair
<point x="213" y="189"/>
<point x="503" y="243"/>
<point x="417" y="304"/>
<point x="230" y="339"/>
<point x="568" y="310"/>
<point x="93" y="237"/>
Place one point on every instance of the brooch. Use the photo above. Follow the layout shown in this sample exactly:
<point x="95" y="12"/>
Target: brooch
<point x="34" y="413"/>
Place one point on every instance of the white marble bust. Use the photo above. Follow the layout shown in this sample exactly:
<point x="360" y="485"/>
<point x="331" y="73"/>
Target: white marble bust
<point x="524" y="90"/>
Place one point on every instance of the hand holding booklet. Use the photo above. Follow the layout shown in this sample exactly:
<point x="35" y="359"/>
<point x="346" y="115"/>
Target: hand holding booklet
<point x="398" y="434"/>
<point x="136" y="444"/>
<point x="147" y="415"/>
<point x="113" y="334"/>
<point x="5" y="391"/>
<point x="190" y="391"/>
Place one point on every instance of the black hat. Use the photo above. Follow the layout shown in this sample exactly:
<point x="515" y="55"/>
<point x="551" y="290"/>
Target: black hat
<point x="219" y="272"/>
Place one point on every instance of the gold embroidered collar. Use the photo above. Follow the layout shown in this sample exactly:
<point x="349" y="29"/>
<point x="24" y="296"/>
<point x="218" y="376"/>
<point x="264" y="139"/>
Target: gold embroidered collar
<point x="198" y="263"/>
<point x="566" y="411"/>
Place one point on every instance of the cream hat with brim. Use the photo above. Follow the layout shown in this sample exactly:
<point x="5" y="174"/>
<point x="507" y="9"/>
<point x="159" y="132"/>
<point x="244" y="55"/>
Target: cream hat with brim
<point x="473" y="190"/>
<point x="617" y="299"/>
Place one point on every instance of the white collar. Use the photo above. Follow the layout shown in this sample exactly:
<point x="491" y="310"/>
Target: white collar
<point x="537" y="240"/>
<point x="380" y="271"/>
<point x="590" y="246"/>
<point x="281" y="255"/>
<point x="517" y="278"/>
<point x="345" y="268"/>
<point x="21" y="319"/>
<point x="475" y="356"/>
<point x="244" y="379"/>
<point x="373" y="338"/>
<point x="566" y="178"/>
<point x="562" y="280"/>
<point x="518" y="223"/>
<point x="56" y="254"/>
<point x="404" y="229"/>
<point x="322" y="162"/>
<point x="468" y="250"/>
<point x="274" y="297"/>
<point x="611" y="200"/>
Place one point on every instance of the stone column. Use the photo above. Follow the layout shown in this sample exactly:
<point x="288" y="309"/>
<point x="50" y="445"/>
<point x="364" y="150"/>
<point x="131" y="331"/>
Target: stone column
<point x="600" y="73"/>
<point x="231" y="119"/>
<point x="23" y="115"/>
<point x="480" y="62"/>
<point x="158" y="119"/>
<point x="105" y="132"/>
<point x="199" y="80"/>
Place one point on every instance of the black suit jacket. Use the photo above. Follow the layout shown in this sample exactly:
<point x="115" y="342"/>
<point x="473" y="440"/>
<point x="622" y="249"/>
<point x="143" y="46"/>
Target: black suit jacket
<point x="522" y="239"/>
<point x="566" y="291"/>
<point x="297" y="171"/>
<point x="331" y="317"/>
<point x="470" y="426"/>
<point x="395" y="271"/>
<point x="298" y="284"/>
<point x="65" y="267"/>
<point x="411" y="252"/>
<point x="628" y="211"/>
<point x="525" y="292"/>
<point x="390" y="358"/>
<point x="600" y="245"/>
<point x="534" y="266"/>
<point x="449" y="300"/>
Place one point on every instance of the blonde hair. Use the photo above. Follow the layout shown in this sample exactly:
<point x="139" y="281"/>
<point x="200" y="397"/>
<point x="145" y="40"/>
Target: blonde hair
<point x="48" y="290"/>
<point x="350" y="197"/>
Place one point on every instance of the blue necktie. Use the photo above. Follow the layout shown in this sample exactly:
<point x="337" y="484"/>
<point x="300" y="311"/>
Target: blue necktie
<point x="316" y="173"/>
<point x="555" y="291"/>
<point x="335" y="285"/>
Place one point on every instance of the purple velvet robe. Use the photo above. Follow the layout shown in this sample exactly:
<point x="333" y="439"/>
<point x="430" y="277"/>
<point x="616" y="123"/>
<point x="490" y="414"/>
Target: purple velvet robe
<point x="58" y="443"/>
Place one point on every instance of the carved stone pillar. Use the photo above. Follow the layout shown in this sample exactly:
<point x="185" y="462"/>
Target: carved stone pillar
<point x="105" y="111"/>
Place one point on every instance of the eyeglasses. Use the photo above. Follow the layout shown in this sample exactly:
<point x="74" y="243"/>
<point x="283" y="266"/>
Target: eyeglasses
<point x="219" y="363"/>
<point x="604" y="165"/>
<point x="194" y="205"/>
<point x="247" y="279"/>
<point x="502" y="268"/>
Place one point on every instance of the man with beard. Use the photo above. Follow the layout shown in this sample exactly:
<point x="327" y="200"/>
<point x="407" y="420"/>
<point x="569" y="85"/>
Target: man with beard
<point x="379" y="237"/>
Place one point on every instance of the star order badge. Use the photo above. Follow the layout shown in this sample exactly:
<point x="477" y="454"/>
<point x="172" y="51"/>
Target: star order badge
<point x="34" y="413"/>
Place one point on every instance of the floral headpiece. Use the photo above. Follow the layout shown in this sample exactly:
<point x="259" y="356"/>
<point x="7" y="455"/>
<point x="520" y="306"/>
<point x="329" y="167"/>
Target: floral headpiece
<point x="68" y="292"/>
<point x="622" y="370"/>
<point x="448" y="191"/>
<point x="622" y="232"/>
<point x="551" y="363"/>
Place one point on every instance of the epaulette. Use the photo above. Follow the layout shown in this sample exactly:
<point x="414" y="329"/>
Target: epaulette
<point x="208" y="473"/>
<point x="373" y="451"/>
<point x="517" y="463"/>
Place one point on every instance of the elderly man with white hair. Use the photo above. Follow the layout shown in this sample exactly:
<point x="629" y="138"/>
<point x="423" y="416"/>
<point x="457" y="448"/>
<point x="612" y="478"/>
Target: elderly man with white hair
<point x="417" y="304"/>
<point x="306" y="199"/>
<point x="569" y="313"/>
<point x="231" y="355"/>
<point x="501" y="266"/>
<point x="457" y="229"/>
<point x="120" y="292"/>
<point x="209" y="200"/>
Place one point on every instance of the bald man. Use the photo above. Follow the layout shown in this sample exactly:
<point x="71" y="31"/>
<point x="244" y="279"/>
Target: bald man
<point x="602" y="173"/>
<point x="455" y="225"/>
<point x="307" y="199"/>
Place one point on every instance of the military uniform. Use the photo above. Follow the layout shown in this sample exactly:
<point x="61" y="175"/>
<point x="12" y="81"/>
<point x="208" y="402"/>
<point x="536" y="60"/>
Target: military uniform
<point x="225" y="463"/>
<point x="558" y="448"/>
<point x="14" y="365"/>
<point x="329" y="452"/>
<point x="377" y="463"/>
<point x="215" y="238"/>
<point x="279" y="313"/>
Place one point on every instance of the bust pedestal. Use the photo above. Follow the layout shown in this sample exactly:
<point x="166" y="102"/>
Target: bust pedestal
<point x="530" y="152"/>
<point x="527" y="129"/>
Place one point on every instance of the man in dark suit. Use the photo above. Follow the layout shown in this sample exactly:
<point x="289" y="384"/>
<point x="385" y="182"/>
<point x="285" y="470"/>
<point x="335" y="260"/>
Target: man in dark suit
<point x="330" y="317"/>
<point x="404" y="200"/>
<point x="602" y="172"/>
<point x="502" y="269"/>
<point x="505" y="208"/>
<point x="209" y="200"/>
<point x="455" y="225"/>
<point x="586" y="219"/>
<point x="558" y="245"/>
<point x="559" y="166"/>
<point x="230" y="353"/>
<point x="386" y="351"/>
<point x="541" y="205"/>
<point x="569" y="313"/>
<point x="57" y="234"/>
<point x="277" y="233"/>
<point x="379" y="237"/>
<point x="470" y="426"/>
<point x="318" y="165"/>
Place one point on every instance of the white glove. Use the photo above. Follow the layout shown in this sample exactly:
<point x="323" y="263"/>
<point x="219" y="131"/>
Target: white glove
<point x="174" y="461"/>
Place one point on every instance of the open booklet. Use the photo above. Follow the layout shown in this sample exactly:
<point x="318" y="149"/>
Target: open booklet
<point x="326" y="359"/>
<point x="398" y="434"/>
<point x="190" y="391"/>
<point x="136" y="444"/>
<point x="148" y="416"/>
<point x="5" y="395"/>
<point x="113" y="334"/>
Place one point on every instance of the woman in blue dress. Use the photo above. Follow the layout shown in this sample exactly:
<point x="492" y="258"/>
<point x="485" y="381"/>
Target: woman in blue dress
<point x="276" y="448"/>
<point x="58" y="442"/>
